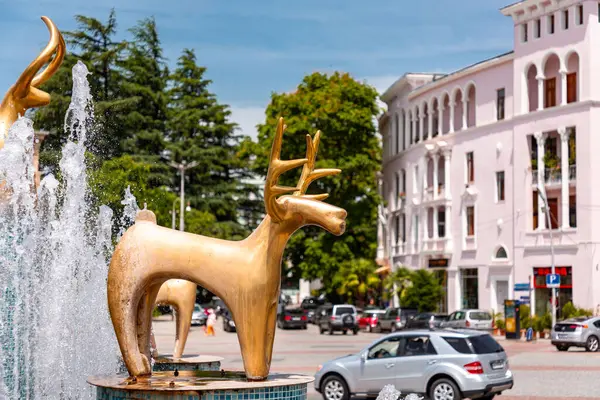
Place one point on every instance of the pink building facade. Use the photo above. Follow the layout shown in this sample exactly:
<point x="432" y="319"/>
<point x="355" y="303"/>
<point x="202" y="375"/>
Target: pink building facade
<point x="471" y="157"/>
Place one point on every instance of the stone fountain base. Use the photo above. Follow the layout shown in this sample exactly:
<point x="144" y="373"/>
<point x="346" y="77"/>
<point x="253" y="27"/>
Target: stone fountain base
<point x="200" y="385"/>
<point x="196" y="363"/>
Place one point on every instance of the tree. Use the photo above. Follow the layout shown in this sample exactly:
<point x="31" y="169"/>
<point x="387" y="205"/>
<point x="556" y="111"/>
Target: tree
<point x="199" y="130"/>
<point x="398" y="281"/>
<point x="424" y="293"/>
<point x="344" y="110"/>
<point x="355" y="280"/>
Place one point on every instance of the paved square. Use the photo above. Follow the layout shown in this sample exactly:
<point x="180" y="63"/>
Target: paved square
<point x="540" y="371"/>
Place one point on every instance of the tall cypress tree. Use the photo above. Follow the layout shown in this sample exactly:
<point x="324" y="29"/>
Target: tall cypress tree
<point x="200" y="130"/>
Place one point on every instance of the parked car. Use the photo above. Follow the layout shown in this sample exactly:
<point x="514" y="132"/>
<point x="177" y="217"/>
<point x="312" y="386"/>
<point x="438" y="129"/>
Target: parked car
<point x="469" y="319"/>
<point x="339" y="318"/>
<point x="394" y="319"/>
<point x="228" y="322"/>
<point x="292" y="318"/>
<point x="577" y="332"/>
<point x="310" y="305"/>
<point x="440" y="364"/>
<point x="198" y="316"/>
<point x="426" y="320"/>
<point x="368" y="319"/>
<point x="320" y="313"/>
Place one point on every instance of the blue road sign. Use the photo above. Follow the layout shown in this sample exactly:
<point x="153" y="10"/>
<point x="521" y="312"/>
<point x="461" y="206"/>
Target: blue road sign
<point x="524" y="300"/>
<point x="522" y="287"/>
<point x="553" y="281"/>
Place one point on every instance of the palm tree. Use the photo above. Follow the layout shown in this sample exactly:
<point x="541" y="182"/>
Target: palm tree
<point x="397" y="282"/>
<point x="356" y="279"/>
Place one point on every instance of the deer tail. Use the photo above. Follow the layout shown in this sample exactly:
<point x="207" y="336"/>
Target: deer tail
<point x="145" y="215"/>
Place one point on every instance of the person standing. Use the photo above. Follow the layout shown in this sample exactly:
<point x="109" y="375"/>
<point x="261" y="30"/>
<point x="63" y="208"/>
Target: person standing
<point x="210" y="323"/>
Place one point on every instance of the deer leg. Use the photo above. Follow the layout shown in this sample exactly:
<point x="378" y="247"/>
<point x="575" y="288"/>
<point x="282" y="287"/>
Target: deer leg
<point x="123" y="312"/>
<point x="144" y="319"/>
<point x="256" y="340"/>
<point x="185" y="310"/>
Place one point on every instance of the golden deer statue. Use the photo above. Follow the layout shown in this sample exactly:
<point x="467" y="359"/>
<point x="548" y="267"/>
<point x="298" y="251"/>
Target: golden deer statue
<point x="245" y="274"/>
<point x="181" y="295"/>
<point x="25" y="93"/>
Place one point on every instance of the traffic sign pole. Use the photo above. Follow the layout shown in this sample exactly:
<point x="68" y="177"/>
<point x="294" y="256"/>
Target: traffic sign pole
<point x="549" y="225"/>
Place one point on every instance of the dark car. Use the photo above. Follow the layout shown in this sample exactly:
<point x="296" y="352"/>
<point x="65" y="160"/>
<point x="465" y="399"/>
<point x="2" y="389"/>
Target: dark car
<point x="310" y="306"/>
<point x="394" y="319"/>
<point x="228" y="322"/>
<point x="320" y="312"/>
<point x="426" y="321"/>
<point x="340" y="317"/>
<point x="292" y="318"/>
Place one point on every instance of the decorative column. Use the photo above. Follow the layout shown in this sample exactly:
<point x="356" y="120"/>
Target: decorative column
<point x="440" y="119"/>
<point x="447" y="155"/>
<point x="540" y="138"/>
<point x="540" y="80"/>
<point x="421" y="125"/>
<point x="464" y="114"/>
<point x="451" y="127"/>
<point x="435" y="175"/>
<point x="435" y="223"/>
<point x="447" y="225"/>
<point x="564" y="171"/>
<point x="414" y="128"/>
<point x="563" y="87"/>
<point x="423" y="228"/>
<point x="429" y="123"/>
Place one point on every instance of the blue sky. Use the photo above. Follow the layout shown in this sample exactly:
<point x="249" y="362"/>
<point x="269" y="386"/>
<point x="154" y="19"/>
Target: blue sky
<point x="252" y="48"/>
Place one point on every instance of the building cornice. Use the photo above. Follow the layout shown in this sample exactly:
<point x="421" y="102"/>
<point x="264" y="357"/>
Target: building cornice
<point x="403" y="82"/>
<point x="528" y="9"/>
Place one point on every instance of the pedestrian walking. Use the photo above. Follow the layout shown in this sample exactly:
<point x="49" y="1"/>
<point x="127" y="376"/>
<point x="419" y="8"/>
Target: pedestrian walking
<point x="210" y="323"/>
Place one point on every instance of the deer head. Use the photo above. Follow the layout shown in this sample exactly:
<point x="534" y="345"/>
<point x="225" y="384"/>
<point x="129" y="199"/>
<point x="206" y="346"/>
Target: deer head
<point x="24" y="94"/>
<point x="299" y="209"/>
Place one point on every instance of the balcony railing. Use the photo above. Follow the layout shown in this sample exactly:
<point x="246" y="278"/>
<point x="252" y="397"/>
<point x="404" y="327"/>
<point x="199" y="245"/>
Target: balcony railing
<point x="400" y="249"/>
<point x="441" y="245"/>
<point x="554" y="176"/>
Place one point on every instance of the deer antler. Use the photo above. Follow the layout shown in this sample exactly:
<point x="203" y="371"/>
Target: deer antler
<point x="276" y="168"/>
<point x="24" y="93"/>
<point x="309" y="173"/>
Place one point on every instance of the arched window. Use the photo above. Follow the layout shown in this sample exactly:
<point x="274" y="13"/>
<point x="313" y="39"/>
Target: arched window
<point x="501" y="253"/>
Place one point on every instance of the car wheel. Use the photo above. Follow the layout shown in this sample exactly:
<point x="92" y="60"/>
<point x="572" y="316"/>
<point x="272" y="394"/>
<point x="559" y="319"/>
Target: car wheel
<point x="331" y="330"/>
<point x="321" y="330"/>
<point x="592" y="344"/>
<point x="562" y="347"/>
<point x="355" y="331"/>
<point x="304" y="327"/>
<point x="345" y="332"/>
<point x="444" y="389"/>
<point x="378" y="328"/>
<point x="334" y="388"/>
<point x="394" y="328"/>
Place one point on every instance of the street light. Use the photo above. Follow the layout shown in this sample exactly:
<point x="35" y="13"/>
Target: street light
<point x="182" y="167"/>
<point x="383" y="216"/>
<point x="549" y="224"/>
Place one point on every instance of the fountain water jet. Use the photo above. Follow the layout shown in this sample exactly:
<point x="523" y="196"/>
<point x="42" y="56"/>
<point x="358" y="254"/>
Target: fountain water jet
<point x="54" y="324"/>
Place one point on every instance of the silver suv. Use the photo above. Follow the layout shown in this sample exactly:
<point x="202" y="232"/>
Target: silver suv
<point x="341" y="318"/>
<point x="469" y="319"/>
<point x="577" y="332"/>
<point x="443" y="365"/>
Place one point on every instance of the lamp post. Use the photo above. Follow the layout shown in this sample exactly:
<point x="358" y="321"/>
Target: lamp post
<point x="549" y="224"/>
<point x="383" y="216"/>
<point x="182" y="167"/>
<point x="173" y="214"/>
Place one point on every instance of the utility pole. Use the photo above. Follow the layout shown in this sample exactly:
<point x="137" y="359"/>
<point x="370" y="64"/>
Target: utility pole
<point x="549" y="224"/>
<point x="182" y="167"/>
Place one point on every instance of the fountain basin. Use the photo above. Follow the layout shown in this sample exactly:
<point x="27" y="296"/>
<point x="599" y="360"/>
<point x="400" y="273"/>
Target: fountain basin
<point x="195" y="363"/>
<point x="200" y="385"/>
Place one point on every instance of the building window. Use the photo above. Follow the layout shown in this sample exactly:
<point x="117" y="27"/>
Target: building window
<point x="550" y="92"/>
<point x="580" y="14"/>
<point x="500" y="186"/>
<point x="470" y="221"/>
<point x="470" y="288"/>
<point x="572" y="87"/>
<point x="551" y="24"/>
<point x="524" y="37"/>
<point x="398" y="192"/>
<point x="598" y="12"/>
<point x="403" y="174"/>
<point x="572" y="211"/>
<point x="470" y="168"/>
<point x="403" y="228"/>
<point x="397" y="229"/>
<point x="500" y="94"/>
<point x="538" y="28"/>
<point x="441" y="223"/>
<point x="535" y="215"/>
<point x="398" y="137"/>
<point x="565" y="19"/>
<point x="501" y="253"/>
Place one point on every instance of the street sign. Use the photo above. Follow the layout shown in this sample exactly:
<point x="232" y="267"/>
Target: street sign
<point x="522" y="287"/>
<point x="552" y="281"/>
<point x="524" y="299"/>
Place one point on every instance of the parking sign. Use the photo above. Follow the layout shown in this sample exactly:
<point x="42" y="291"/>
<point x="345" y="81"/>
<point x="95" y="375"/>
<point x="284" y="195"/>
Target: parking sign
<point x="552" y="281"/>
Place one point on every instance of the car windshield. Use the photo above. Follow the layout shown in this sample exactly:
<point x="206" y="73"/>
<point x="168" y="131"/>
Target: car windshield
<point x="344" y="310"/>
<point x="485" y="344"/>
<point x="480" y="315"/>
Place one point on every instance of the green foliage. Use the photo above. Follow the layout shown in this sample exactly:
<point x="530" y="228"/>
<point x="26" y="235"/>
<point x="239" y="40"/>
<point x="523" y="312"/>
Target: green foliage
<point x="525" y="316"/>
<point x="500" y="324"/>
<point x="156" y="312"/>
<point x="344" y="110"/>
<point x="571" y="311"/>
<point x="397" y="282"/>
<point x="356" y="279"/>
<point x="425" y="292"/>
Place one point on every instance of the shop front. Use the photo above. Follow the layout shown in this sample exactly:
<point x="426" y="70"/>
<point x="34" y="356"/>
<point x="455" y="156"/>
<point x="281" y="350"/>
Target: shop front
<point x="543" y="295"/>
<point x="470" y="288"/>
<point x="439" y="267"/>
